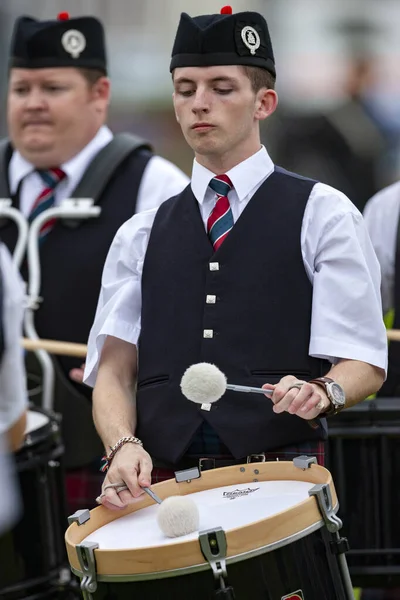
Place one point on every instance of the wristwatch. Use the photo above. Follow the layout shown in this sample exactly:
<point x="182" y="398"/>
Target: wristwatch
<point x="335" y="393"/>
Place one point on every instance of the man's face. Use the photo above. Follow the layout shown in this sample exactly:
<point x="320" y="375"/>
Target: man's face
<point x="53" y="113"/>
<point x="216" y="108"/>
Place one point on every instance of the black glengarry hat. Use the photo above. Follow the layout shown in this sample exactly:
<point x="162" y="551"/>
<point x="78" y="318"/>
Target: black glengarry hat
<point x="223" y="39"/>
<point x="62" y="42"/>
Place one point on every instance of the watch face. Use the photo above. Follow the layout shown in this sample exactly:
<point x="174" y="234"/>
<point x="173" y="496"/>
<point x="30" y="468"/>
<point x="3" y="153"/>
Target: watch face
<point x="337" y="394"/>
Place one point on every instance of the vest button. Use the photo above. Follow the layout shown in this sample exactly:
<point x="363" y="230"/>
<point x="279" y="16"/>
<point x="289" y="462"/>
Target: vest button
<point x="210" y="299"/>
<point x="214" y="266"/>
<point x="208" y="333"/>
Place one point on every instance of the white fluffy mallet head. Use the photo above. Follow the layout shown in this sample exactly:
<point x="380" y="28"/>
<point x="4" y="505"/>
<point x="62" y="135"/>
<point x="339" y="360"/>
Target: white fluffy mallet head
<point x="178" y="515"/>
<point x="203" y="383"/>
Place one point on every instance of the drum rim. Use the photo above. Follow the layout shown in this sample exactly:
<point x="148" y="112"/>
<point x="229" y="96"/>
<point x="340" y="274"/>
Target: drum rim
<point x="152" y="560"/>
<point x="205" y="565"/>
<point x="45" y="431"/>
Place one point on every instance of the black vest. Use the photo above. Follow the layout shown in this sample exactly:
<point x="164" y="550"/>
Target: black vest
<point x="260" y="321"/>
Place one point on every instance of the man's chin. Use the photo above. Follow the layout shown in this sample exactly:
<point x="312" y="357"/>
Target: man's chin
<point x="37" y="152"/>
<point x="205" y="147"/>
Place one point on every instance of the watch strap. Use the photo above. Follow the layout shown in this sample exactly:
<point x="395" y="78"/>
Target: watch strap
<point x="321" y="382"/>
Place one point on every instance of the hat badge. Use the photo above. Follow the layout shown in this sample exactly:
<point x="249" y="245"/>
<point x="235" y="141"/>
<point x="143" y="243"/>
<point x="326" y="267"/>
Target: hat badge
<point x="251" y="39"/>
<point x="74" y="42"/>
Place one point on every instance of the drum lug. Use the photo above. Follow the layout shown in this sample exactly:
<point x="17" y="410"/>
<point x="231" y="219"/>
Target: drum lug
<point x="304" y="462"/>
<point x="213" y="546"/>
<point x="322" y="493"/>
<point x="186" y="475"/>
<point x="87" y="561"/>
<point x="80" y="517"/>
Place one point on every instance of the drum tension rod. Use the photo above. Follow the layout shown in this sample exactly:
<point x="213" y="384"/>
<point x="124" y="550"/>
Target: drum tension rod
<point x="213" y="546"/>
<point x="323" y="496"/>
<point x="304" y="462"/>
<point x="186" y="475"/>
<point x="339" y="545"/>
<point x="79" y="517"/>
<point x="322" y="492"/>
<point x="87" y="561"/>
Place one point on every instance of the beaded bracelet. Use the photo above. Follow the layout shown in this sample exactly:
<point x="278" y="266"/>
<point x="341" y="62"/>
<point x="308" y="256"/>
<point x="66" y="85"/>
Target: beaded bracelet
<point x="114" y="449"/>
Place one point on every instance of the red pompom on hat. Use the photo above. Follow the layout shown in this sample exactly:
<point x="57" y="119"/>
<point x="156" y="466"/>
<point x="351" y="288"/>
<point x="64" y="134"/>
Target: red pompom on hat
<point x="63" y="16"/>
<point x="226" y="10"/>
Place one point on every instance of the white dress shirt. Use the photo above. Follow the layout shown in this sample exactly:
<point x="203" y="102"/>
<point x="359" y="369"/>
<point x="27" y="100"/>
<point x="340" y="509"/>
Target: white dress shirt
<point x="381" y="215"/>
<point x="338" y="258"/>
<point x="161" y="179"/>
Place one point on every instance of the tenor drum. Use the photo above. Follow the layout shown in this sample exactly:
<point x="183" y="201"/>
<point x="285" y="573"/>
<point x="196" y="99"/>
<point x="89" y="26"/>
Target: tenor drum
<point x="267" y="531"/>
<point x="33" y="552"/>
<point x="364" y="458"/>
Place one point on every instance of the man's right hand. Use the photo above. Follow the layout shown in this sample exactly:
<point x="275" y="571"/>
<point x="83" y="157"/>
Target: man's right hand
<point x="131" y="466"/>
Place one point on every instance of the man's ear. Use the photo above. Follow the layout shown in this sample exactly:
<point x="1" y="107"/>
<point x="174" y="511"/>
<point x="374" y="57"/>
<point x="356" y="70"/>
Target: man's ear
<point x="267" y="101"/>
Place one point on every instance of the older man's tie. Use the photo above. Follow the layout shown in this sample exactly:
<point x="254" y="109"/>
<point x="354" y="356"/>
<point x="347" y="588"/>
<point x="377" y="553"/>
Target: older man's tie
<point x="51" y="178"/>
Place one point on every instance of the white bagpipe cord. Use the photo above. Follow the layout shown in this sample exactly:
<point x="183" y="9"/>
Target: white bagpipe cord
<point x="8" y="211"/>
<point x="28" y="241"/>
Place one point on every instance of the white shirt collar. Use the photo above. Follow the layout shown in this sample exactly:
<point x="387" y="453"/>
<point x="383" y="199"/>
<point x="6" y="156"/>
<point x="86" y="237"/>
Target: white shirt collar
<point x="74" y="168"/>
<point x="245" y="176"/>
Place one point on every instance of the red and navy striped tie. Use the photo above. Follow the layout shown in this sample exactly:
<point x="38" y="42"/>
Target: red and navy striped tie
<point x="45" y="200"/>
<point x="220" y="221"/>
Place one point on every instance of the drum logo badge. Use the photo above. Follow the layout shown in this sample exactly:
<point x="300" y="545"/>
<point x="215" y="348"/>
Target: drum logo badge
<point x="251" y="39"/>
<point x="74" y="42"/>
<point x="294" y="596"/>
<point x="238" y="493"/>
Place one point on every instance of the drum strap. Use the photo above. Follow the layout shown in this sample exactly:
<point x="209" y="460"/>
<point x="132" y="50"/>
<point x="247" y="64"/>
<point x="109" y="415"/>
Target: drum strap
<point x="105" y="163"/>
<point x="5" y="155"/>
<point x="99" y="172"/>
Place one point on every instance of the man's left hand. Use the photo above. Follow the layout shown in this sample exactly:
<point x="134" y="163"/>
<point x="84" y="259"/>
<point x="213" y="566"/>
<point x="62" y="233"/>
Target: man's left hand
<point x="306" y="401"/>
<point x="77" y="374"/>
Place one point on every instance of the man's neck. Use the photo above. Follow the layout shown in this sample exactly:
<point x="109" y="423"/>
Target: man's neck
<point x="223" y="163"/>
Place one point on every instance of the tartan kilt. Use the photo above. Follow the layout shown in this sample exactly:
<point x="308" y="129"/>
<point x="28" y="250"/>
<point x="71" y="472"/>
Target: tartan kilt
<point x="84" y="485"/>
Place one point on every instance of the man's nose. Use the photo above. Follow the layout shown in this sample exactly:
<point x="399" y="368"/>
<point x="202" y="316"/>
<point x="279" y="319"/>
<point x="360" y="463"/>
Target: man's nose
<point x="201" y="101"/>
<point x="35" y="100"/>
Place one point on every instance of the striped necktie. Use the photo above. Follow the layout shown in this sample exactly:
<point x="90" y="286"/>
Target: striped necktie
<point x="51" y="178"/>
<point x="220" y="221"/>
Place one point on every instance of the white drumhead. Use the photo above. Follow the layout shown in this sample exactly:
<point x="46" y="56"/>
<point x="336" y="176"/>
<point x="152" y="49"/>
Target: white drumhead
<point x="35" y="420"/>
<point x="227" y="507"/>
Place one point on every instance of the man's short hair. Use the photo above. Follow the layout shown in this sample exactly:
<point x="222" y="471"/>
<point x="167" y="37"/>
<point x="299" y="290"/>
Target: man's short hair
<point x="259" y="78"/>
<point x="91" y="75"/>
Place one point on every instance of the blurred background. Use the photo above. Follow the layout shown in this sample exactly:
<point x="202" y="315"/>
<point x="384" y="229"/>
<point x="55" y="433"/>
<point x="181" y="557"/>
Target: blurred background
<point x="338" y="80"/>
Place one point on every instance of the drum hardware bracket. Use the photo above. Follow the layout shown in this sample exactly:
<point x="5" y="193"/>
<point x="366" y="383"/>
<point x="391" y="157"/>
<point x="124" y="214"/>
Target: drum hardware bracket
<point x="304" y="462"/>
<point x="213" y="546"/>
<point x="80" y="517"/>
<point x="322" y="493"/>
<point x="340" y="546"/>
<point x="255" y="458"/>
<point x="186" y="475"/>
<point x="87" y="561"/>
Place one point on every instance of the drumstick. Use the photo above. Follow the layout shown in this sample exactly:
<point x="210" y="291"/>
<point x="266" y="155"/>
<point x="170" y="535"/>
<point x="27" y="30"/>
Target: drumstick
<point x="80" y="350"/>
<point x="56" y="347"/>
<point x="205" y="384"/>
<point x="393" y="335"/>
<point x="120" y="487"/>
<point x="247" y="388"/>
<point x="152" y="495"/>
